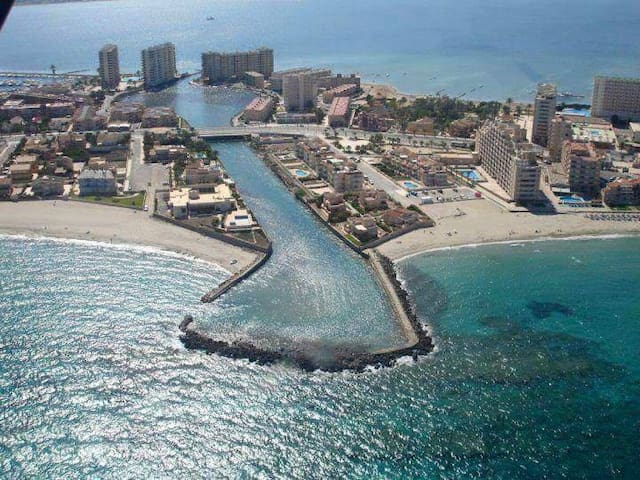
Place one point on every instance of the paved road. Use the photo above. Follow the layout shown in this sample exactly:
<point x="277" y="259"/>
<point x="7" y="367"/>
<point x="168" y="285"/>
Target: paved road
<point x="143" y="176"/>
<point x="382" y="182"/>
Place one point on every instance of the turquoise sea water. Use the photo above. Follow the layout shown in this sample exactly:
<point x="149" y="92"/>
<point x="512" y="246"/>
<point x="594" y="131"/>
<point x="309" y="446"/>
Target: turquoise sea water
<point x="93" y="382"/>
<point x="423" y="46"/>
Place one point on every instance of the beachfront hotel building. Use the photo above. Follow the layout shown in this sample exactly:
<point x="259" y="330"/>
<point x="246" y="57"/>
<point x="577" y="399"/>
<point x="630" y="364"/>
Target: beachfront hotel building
<point x="543" y="113"/>
<point x="613" y="96"/>
<point x="97" y="181"/>
<point x="581" y="163"/>
<point x="509" y="159"/>
<point x="159" y="65"/>
<point x="187" y="201"/>
<point x="339" y="80"/>
<point x="225" y="66"/>
<point x="109" y="68"/>
<point x="622" y="192"/>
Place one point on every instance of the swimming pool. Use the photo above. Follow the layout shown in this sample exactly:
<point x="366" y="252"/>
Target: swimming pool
<point x="301" y="173"/>
<point x="573" y="199"/>
<point x="577" y="111"/>
<point x="409" y="185"/>
<point x="471" y="175"/>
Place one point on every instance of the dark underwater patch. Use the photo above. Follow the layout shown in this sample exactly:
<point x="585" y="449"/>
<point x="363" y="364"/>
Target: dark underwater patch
<point x="542" y="310"/>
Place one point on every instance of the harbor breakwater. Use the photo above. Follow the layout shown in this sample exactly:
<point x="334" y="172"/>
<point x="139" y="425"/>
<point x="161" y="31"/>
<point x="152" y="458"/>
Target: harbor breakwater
<point x="309" y="356"/>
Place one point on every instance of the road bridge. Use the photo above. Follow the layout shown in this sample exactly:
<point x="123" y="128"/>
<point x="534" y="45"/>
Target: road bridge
<point x="244" y="131"/>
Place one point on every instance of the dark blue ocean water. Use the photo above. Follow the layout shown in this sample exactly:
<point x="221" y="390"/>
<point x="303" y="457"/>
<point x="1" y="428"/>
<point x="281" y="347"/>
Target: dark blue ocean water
<point x="423" y="46"/>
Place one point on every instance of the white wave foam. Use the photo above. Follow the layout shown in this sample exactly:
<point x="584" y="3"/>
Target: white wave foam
<point x="148" y="249"/>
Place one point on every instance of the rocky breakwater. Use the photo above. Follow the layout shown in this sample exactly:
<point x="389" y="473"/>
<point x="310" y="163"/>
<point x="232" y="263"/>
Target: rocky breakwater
<point x="312" y="356"/>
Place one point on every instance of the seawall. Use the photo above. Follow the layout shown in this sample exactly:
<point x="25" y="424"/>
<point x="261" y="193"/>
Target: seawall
<point x="401" y="309"/>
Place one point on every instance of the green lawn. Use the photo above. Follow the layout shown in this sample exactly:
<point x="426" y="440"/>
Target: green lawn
<point x="136" y="200"/>
<point x="353" y="239"/>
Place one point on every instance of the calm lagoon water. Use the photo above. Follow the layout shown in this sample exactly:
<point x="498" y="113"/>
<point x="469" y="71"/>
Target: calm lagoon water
<point x="418" y="46"/>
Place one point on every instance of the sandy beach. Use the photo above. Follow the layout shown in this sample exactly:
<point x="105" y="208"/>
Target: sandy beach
<point x="482" y="221"/>
<point x="85" y="221"/>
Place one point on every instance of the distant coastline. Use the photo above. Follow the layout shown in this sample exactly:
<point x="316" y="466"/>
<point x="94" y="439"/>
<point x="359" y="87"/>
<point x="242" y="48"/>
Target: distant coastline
<point x="20" y="3"/>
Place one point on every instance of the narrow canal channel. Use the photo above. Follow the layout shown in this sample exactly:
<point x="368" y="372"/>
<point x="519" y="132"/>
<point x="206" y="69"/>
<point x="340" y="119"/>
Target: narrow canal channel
<point x="313" y="289"/>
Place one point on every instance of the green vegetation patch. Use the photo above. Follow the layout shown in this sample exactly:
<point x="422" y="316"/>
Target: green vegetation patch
<point x="136" y="201"/>
<point x="353" y="239"/>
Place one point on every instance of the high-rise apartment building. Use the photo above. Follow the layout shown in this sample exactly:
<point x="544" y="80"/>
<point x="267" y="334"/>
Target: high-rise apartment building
<point x="543" y="113"/>
<point x="109" y="68"/>
<point x="159" y="65"/>
<point x="277" y="78"/>
<point x="509" y="159"/>
<point x="300" y="90"/>
<point x="616" y="96"/>
<point x="220" y="67"/>
<point x="581" y="163"/>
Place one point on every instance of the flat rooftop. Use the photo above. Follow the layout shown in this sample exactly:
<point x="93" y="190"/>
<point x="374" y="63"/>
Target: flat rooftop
<point x="593" y="133"/>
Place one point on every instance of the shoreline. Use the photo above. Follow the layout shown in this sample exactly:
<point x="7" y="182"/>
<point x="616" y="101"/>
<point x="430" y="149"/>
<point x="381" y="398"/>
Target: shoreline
<point x="460" y="224"/>
<point x="29" y="3"/>
<point x="117" y="227"/>
<point x="516" y="241"/>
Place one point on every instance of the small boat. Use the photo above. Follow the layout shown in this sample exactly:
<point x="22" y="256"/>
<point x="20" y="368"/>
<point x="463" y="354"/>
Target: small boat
<point x="210" y="19"/>
<point x="570" y="95"/>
